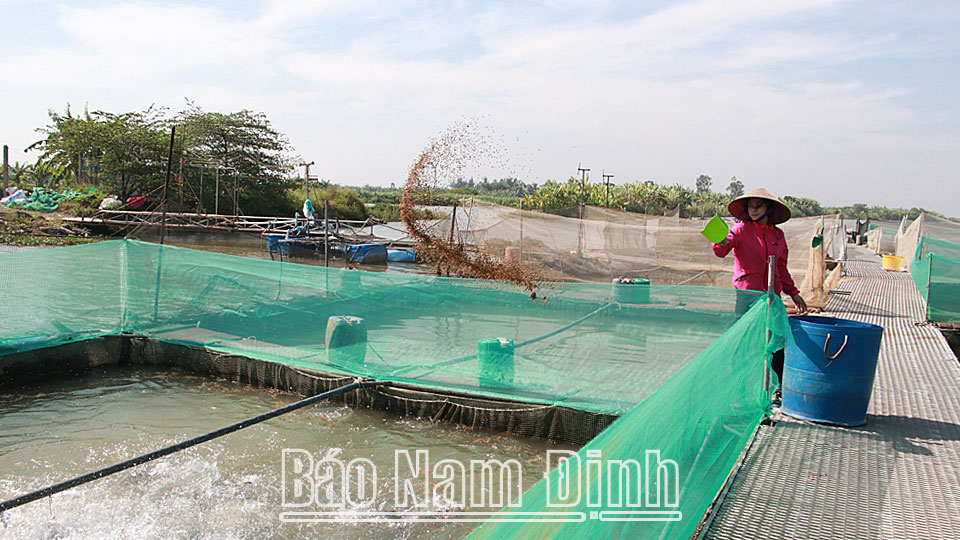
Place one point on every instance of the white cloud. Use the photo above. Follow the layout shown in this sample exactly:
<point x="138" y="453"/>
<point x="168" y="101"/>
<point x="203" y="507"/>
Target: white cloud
<point x="709" y="86"/>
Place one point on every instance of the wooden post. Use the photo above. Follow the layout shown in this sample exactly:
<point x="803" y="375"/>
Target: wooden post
<point x="453" y="222"/>
<point x="180" y="173"/>
<point x="521" y="231"/>
<point x="236" y="194"/>
<point x="583" y="182"/>
<point x="306" y="178"/>
<point x="771" y="269"/>
<point x="166" y="185"/>
<point x="326" y="233"/>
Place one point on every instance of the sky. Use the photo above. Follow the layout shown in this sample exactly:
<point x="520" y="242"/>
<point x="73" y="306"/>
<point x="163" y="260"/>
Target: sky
<point x="841" y="101"/>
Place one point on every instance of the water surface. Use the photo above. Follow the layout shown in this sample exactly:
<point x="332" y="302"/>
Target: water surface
<point x="226" y="488"/>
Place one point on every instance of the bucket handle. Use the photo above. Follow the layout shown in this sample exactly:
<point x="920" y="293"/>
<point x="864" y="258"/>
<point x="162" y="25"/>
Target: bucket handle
<point x="827" y="344"/>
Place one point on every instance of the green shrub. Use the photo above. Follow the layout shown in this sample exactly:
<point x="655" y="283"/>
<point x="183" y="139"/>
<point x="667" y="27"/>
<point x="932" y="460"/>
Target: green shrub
<point x="344" y="202"/>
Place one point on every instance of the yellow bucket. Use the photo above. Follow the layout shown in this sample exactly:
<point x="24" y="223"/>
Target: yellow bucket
<point x="892" y="263"/>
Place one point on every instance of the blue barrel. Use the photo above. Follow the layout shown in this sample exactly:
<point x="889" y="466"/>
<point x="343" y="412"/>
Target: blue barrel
<point x="367" y="253"/>
<point x="828" y="373"/>
<point x="273" y="243"/>
<point x="402" y="255"/>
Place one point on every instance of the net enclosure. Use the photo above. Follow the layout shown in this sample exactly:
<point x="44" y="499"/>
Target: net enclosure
<point x="930" y="247"/>
<point x="679" y="366"/>
<point x="596" y="244"/>
<point x="882" y="236"/>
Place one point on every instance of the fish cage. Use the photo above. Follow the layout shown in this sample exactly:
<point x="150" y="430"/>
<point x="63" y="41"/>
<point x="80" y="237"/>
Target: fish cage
<point x="930" y="247"/>
<point x="593" y="244"/>
<point x="676" y="370"/>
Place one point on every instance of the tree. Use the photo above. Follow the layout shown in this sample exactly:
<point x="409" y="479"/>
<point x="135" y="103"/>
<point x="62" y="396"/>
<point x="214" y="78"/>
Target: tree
<point x="801" y="206"/>
<point x="19" y="173"/>
<point x="555" y="197"/>
<point x="680" y="196"/>
<point x="47" y="174"/>
<point x="133" y="149"/>
<point x="67" y="138"/>
<point x="734" y="188"/>
<point x="243" y="146"/>
<point x="121" y="150"/>
<point x="703" y="183"/>
<point x="709" y="204"/>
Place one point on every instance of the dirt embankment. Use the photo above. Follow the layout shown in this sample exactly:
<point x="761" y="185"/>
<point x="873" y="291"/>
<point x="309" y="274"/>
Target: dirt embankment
<point x="21" y="228"/>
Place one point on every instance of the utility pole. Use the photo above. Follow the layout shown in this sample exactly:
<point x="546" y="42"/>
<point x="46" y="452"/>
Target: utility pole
<point x="606" y="182"/>
<point x="6" y="170"/>
<point x="583" y="182"/>
<point x="306" y="177"/>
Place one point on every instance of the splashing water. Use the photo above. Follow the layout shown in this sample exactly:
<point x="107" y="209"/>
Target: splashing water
<point x="227" y="488"/>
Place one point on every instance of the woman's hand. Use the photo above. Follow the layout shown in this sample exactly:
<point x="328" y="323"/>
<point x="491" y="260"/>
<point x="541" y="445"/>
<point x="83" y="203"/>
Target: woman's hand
<point x="800" y="303"/>
<point x="725" y="242"/>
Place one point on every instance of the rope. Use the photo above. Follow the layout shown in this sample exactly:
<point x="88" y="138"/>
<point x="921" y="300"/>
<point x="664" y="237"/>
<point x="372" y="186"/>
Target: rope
<point x="462" y="359"/>
<point x="571" y="325"/>
<point x="107" y="471"/>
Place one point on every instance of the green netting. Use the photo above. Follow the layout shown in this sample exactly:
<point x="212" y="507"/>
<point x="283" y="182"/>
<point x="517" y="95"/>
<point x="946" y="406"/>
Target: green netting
<point x="45" y="201"/>
<point x="930" y="247"/>
<point x="700" y="419"/>
<point x="677" y="362"/>
<point x="940" y="229"/>
<point x="936" y="272"/>
<point x="882" y="236"/>
<point x="942" y="248"/>
<point x="420" y="329"/>
<point x="54" y="296"/>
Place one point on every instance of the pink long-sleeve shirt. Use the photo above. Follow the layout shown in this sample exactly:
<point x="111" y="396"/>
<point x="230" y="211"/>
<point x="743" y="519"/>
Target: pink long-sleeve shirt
<point x="752" y="244"/>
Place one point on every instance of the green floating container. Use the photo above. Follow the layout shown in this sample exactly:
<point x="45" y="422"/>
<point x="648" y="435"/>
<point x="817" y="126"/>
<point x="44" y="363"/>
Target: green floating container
<point x="631" y="291"/>
<point x="496" y="362"/>
<point x="346" y="340"/>
<point x="716" y="230"/>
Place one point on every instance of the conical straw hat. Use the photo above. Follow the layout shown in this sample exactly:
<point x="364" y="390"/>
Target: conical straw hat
<point x="780" y="213"/>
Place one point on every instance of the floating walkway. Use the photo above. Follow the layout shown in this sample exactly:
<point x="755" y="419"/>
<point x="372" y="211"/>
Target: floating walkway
<point x="897" y="477"/>
<point x="353" y="231"/>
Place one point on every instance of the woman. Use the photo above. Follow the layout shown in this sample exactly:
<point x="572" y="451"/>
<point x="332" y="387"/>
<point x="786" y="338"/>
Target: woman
<point x="753" y="238"/>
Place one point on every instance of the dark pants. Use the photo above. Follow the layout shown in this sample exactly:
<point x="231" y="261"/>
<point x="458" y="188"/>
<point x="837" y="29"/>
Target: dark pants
<point x="744" y="301"/>
<point x="777" y="364"/>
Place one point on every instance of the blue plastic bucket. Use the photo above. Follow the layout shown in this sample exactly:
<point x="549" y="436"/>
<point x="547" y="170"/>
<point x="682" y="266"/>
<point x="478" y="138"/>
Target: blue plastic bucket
<point x="828" y="373"/>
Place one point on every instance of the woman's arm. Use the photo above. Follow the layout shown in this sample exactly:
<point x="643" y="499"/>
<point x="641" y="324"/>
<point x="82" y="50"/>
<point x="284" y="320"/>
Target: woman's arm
<point x="730" y="242"/>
